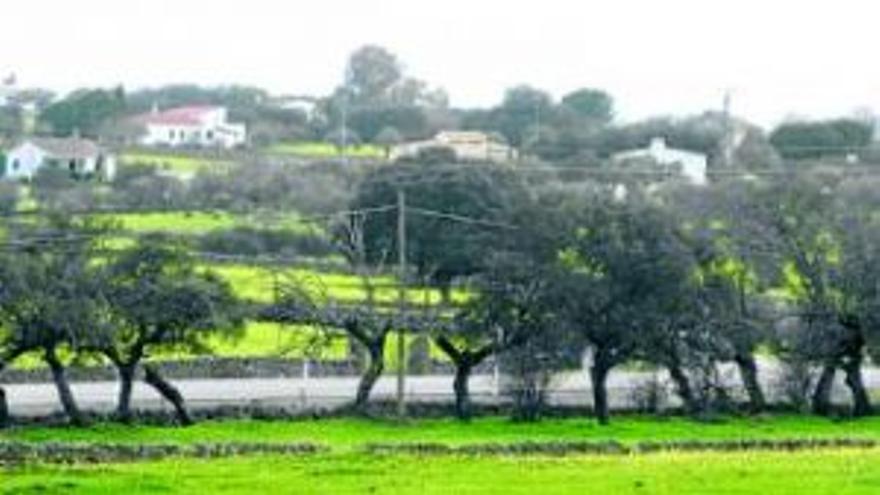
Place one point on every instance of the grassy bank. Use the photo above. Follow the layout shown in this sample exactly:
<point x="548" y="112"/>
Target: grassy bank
<point x="352" y="433"/>
<point x="840" y="472"/>
<point x="346" y="468"/>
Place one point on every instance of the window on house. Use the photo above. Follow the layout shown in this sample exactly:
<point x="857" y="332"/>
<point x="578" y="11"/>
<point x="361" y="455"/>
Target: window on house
<point x="16" y="164"/>
<point x="209" y="135"/>
<point x="171" y="135"/>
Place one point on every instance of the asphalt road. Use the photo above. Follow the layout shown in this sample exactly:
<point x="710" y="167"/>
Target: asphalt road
<point x="298" y="393"/>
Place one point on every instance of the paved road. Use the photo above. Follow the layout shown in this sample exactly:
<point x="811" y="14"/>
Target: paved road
<point x="298" y="393"/>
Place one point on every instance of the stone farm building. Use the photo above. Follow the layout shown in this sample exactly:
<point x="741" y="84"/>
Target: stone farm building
<point x="191" y="126"/>
<point x="82" y="157"/>
<point x="467" y="145"/>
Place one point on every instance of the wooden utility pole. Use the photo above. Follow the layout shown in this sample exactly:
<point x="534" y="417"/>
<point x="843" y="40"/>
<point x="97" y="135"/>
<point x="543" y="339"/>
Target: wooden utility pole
<point x="401" y="284"/>
<point x="727" y="141"/>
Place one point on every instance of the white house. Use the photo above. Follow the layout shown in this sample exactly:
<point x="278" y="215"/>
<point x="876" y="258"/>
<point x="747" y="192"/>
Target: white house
<point x="81" y="157"/>
<point x="467" y="145"/>
<point x="197" y="126"/>
<point x="690" y="164"/>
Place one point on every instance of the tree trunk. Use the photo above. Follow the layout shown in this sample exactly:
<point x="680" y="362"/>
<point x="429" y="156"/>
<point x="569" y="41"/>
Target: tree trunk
<point x="374" y="370"/>
<point x="65" y="394"/>
<point x="822" y="393"/>
<point x="4" y="409"/>
<point x="748" y="371"/>
<point x="169" y="392"/>
<point x="462" y="392"/>
<point x="126" y="383"/>
<point x="599" y="378"/>
<point x="683" y="388"/>
<point x="852" y="367"/>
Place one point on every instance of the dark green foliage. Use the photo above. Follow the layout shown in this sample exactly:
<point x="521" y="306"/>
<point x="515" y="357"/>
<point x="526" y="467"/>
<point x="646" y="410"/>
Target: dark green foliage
<point x="521" y="111"/>
<point x="159" y="300"/>
<point x="593" y="105"/>
<point x="250" y="241"/>
<point x="144" y="187"/>
<point x="84" y="111"/>
<point x="441" y="249"/>
<point x="801" y="140"/>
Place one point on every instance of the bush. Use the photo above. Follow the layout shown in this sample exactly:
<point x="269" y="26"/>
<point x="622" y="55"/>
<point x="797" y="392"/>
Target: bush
<point x="145" y="188"/>
<point x="248" y="241"/>
<point x="795" y="382"/>
<point x="9" y="196"/>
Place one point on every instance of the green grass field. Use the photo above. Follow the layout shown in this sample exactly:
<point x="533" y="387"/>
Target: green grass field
<point x="845" y="472"/>
<point x="324" y="150"/>
<point x="182" y="164"/>
<point x="201" y="222"/>
<point x="346" y="468"/>
<point x="350" y="434"/>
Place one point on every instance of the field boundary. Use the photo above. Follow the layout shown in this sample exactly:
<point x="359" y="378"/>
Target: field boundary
<point x="100" y="453"/>
<point x="613" y="447"/>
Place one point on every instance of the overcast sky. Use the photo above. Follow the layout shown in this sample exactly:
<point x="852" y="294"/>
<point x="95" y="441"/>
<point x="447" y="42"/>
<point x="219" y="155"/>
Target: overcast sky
<point x="809" y="58"/>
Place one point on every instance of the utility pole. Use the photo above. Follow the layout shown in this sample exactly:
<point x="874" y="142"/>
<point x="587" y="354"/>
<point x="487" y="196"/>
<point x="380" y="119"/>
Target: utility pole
<point x="727" y="140"/>
<point x="401" y="284"/>
<point x="344" y="129"/>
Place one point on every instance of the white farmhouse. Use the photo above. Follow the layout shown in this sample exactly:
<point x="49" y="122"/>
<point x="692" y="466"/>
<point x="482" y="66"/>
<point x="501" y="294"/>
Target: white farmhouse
<point x="194" y="126"/>
<point x="467" y="145"/>
<point x="82" y="157"/>
<point x="690" y="164"/>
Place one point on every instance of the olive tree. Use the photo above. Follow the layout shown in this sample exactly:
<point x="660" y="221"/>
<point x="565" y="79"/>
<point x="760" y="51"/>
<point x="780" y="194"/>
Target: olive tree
<point x="50" y="302"/>
<point x="160" y="300"/>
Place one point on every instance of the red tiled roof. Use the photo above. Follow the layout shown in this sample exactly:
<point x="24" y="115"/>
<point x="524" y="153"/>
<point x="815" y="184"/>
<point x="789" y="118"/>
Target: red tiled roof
<point x="191" y="115"/>
<point x="66" y="148"/>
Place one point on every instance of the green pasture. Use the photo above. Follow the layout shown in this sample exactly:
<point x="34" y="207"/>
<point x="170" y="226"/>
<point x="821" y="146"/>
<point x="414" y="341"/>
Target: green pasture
<point x="347" y="469"/>
<point x="325" y="150"/>
<point x="183" y="164"/>
<point x="202" y="222"/>
<point x="345" y="434"/>
<point x="843" y="472"/>
<point x="264" y="283"/>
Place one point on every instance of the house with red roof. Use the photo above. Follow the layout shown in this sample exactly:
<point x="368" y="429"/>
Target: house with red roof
<point x="199" y="126"/>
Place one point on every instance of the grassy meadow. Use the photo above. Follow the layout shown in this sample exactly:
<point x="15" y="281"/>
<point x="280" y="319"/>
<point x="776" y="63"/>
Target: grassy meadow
<point x="177" y="163"/>
<point x="347" y="468"/>
<point x="324" y="150"/>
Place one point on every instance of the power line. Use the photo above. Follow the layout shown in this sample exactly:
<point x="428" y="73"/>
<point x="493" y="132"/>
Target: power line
<point x="461" y="219"/>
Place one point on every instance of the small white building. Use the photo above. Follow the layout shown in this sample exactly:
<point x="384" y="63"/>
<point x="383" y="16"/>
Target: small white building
<point x="82" y="157"/>
<point x="467" y="145"/>
<point x="690" y="164"/>
<point x="191" y="126"/>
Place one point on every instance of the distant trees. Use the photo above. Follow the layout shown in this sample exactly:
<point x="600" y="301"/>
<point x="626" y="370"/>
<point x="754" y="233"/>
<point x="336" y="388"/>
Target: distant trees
<point x="837" y="137"/>
<point x="438" y="248"/>
<point x="84" y="111"/>
<point x="372" y="71"/>
<point x="519" y="115"/>
<point x="591" y="105"/>
<point x="387" y="138"/>
<point x="377" y="94"/>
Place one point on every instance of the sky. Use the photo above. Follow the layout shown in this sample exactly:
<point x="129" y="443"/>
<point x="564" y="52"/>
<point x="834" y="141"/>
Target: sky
<point x="779" y="59"/>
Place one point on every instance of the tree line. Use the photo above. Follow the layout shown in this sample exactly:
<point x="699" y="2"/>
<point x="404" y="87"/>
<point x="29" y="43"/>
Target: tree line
<point x="379" y="102"/>
<point x="683" y="278"/>
<point x="534" y="272"/>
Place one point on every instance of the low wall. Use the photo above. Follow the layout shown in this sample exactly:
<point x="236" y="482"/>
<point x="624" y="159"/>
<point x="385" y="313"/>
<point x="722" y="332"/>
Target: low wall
<point x="220" y="368"/>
